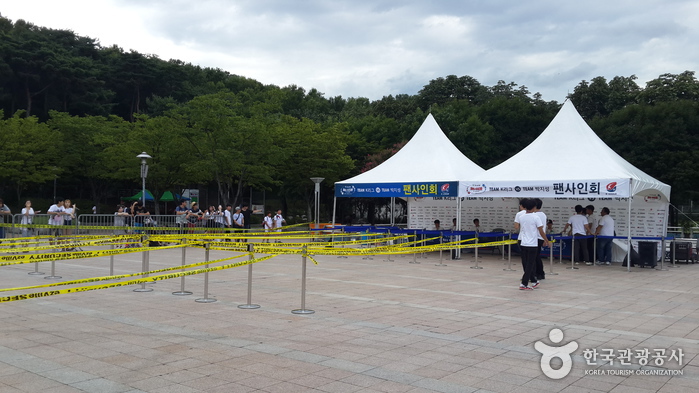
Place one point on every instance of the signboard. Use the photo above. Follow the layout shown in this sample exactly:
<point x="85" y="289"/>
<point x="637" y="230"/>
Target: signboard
<point x="549" y="189"/>
<point x="382" y="190"/>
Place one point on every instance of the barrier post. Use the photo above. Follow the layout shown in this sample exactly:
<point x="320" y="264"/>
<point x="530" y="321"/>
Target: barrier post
<point x="476" y="254"/>
<point x="144" y="269"/>
<point x="53" y="265"/>
<point x="662" y="259"/>
<point x="509" y="254"/>
<point x="182" y="292"/>
<point x="572" y="253"/>
<point x="206" y="298"/>
<point x="303" y="309"/>
<point x="551" y="273"/>
<point x="111" y="261"/>
<point x="415" y="252"/>
<point x="672" y="253"/>
<point x="249" y="304"/>
<point x="366" y="257"/>
<point x="389" y="255"/>
<point x="441" y="241"/>
<point x="342" y="238"/>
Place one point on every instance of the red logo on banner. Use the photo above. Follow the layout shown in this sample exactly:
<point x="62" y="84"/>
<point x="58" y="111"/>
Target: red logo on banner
<point x="611" y="187"/>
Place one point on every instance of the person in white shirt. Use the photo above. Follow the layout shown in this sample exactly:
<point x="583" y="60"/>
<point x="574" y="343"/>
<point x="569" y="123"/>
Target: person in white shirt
<point x="278" y="222"/>
<point x="69" y="214"/>
<point x="56" y="213"/>
<point x="27" y="218"/>
<point x="267" y="224"/>
<point x="529" y="225"/>
<point x="605" y="227"/>
<point x="580" y="227"/>
<point x="238" y="220"/>
<point x="227" y="219"/>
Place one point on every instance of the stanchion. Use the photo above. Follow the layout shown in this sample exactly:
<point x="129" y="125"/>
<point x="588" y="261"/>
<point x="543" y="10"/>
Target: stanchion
<point x="475" y="253"/>
<point x="342" y="238"/>
<point x="551" y="273"/>
<point x="206" y="298"/>
<point x="572" y="253"/>
<point x="367" y="256"/>
<point x="53" y="271"/>
<point x="36" y="271"/>
<point x="441" y="241"/>
<point x="389" y="255"/>
<point x="509" y="255"/>
<point x="144" y="268"/>
<point x="672" y="253"/>
<point x="662" y="259"/>
<point x="249" y="304"/>
<point x="303" y="309"/>
<point x="53" y="266"/>
<point x="111" y="261"/>
<point x="182" y="292"/>
<point x="422" y="243"/>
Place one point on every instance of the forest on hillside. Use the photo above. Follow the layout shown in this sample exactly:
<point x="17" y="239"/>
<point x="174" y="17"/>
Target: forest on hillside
<point x="74" y="110"/>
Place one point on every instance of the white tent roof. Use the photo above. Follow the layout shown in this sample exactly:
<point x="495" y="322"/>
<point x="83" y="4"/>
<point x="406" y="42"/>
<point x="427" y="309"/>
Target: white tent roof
<point x="569" y="151"/>
<point x="429" y="156"/>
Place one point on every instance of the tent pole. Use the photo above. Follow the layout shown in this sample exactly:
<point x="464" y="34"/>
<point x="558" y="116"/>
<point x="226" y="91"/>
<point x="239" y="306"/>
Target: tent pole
<point x="393" y="204"/>
<point x="628" y="236"/>
<point x="334" y="207"/>
<point x="458" y="225"/>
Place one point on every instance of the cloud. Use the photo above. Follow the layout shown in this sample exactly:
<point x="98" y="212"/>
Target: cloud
<point x="366" y="48"/>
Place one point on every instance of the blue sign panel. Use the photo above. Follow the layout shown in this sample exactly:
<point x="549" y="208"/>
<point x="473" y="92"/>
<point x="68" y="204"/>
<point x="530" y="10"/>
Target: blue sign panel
<point x="378" y="190"/>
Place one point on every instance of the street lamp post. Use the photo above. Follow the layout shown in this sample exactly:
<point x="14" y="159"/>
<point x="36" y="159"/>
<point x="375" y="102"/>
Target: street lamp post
<point x="317" y="181"/>
<point x="144" y="173"/>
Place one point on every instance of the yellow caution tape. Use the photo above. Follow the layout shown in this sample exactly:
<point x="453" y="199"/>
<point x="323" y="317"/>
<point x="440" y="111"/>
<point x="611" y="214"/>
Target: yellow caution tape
<point x="130" y="282"/>
<point x="56" y="256"/>
<point x="120" y="276"/>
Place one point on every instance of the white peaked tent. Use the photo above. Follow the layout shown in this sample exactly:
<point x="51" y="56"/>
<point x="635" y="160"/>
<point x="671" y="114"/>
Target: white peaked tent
<point x="429" y="165"/>
<point x="429" y="156"/>
<point x="568" y="160"/>
<point x="567" y="152"/>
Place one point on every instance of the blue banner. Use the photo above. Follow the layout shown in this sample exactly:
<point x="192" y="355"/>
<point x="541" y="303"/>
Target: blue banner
<point x="380" y="190"/>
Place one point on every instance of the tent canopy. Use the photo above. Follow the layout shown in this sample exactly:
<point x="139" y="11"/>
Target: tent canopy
<point x="170" y="197"/>
<point x="138" y="197"/>
<point x="428" y="160"/>
<point x="567" y="160"/>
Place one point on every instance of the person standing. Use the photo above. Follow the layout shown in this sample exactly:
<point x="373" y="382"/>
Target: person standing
<point x="69" y="210"/>
<point x="227" y="221"/>
<point x="279" y="221"/>
<point x="540" y="273"/>
<point x="238" y="220"/>
<point x="528" y="225"/>
<point x="4" y="212"/>
<point x="247" y="215"/>
<point x="605" y="227"/>
<point x="56" y="213"/>
<point x="580" y="228"/>
<point x="267" y="224"/>
<point x="27" y="218"/>
<point x="592" y="222"/>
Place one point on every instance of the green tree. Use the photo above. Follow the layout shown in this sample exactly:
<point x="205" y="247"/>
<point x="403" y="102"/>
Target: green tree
<point x="30" y="152"/>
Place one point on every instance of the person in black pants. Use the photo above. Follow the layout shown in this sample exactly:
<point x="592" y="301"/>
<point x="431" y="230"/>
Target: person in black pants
<point x="540" y="273"/>
<point x="529" y="225"/>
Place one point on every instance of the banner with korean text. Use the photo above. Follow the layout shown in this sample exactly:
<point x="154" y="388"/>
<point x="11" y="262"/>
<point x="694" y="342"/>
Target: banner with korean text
<point x="549" y="189"/>
<point x="407" y="189"/>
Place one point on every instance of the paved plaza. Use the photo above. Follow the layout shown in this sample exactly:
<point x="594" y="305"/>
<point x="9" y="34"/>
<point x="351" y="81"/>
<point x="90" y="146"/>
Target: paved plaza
<point x="378" y="326"/>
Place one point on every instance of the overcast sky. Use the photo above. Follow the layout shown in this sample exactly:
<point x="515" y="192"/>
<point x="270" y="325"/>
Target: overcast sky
<point x="373" y="48"/>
